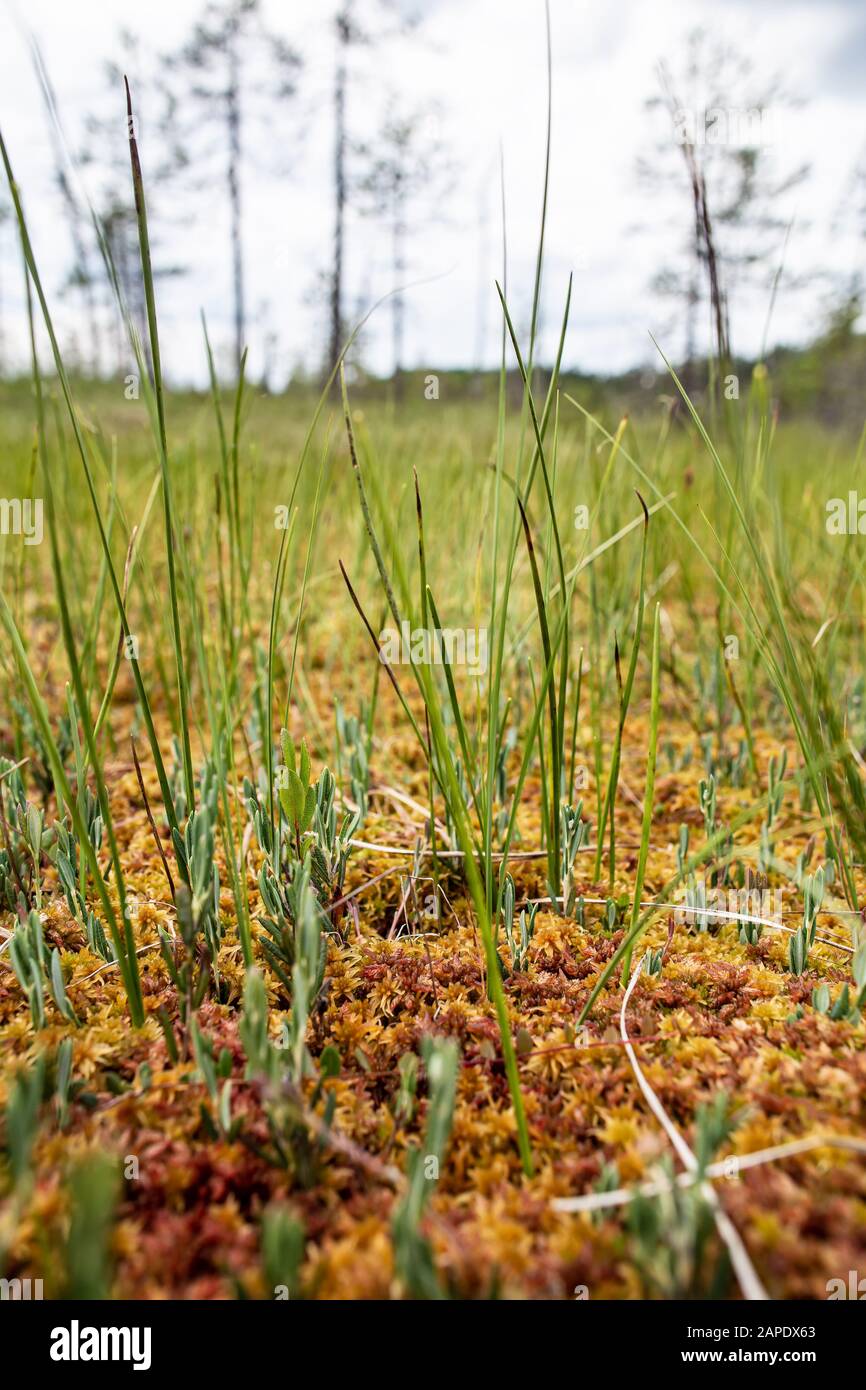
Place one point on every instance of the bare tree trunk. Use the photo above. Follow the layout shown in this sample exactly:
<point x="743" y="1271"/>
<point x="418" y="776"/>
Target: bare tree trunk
<point x="483" y="291"/>
<point x="119" y="337"/>
<point x="705" y="251"/>
<point x="234" y="171"/>
<point x="119" y="254"/>
<point x="717" y="291"/>
<point x="82" y="270"/>
<point x="693" y="297"/>
<point x="398" y="308"/>
<point x="335" y="342"/>
<point x="73" y="215"/>
<point x="124" y="255"/>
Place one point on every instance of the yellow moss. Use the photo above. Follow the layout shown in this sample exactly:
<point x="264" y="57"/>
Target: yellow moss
<point x="619" y="1129"/>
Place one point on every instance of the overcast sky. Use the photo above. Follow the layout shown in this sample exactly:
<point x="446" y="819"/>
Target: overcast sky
<point x="483" y="64"/>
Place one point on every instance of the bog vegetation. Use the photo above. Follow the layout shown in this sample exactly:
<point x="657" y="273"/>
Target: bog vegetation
<point x="337" y="963"/>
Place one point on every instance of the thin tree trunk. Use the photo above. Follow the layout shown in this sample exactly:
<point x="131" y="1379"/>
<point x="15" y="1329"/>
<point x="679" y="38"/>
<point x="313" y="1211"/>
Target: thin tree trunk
<point x="82" y="267"/>
<point x="483" y="291"/>
<point x="234" y="186"/>
<point x="693" y="296"/>
<point x="73" y="215"/>
<point x="398" y="309"/>
<point x="335" y="342"/>
<point x="717" y="293"/>
<point x="693" y="292"/>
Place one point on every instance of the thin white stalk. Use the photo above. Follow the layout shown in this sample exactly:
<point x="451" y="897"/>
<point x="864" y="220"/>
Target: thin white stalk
<point x="746" y="1274"/>
<point x="621" y="1196"/>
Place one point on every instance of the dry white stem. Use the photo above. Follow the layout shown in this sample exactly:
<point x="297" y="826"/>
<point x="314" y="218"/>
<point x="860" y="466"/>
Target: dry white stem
<point x="745" y="1272"/>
